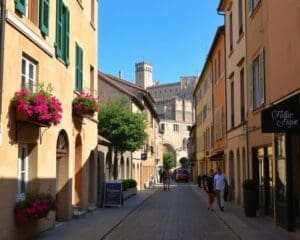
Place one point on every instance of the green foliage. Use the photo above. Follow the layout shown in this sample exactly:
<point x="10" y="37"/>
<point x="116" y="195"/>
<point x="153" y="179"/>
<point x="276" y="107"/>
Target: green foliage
<point x="128" y="183"/>
<point x="168" y="160"/>
<point x="125" y="130"/>
<point x="184" y="163"/>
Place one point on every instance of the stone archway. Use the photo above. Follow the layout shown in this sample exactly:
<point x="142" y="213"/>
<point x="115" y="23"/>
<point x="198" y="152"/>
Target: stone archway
<point x="63" y="186"/>
<point x="169" y="148"/>
<point x="78" y="171"/>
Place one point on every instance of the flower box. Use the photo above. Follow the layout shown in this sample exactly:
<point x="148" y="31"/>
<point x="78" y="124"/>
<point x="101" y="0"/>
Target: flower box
<point x="39" y="106"/>
<point x="35" y="206"/>
<point x="85" y="104"/>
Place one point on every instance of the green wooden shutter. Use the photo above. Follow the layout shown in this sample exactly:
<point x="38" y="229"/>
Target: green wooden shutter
<point x="80" y="68"/>
<point x="76" y="68"/>
<point x="67" y="38"/>
<point x="20" y="6"/>
<point x="79" y="65"/>
<point x="58" y="41"/>
<point x="44" y="17"/>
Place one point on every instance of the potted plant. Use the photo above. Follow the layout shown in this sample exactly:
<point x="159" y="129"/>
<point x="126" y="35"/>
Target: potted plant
<point x="39" y="106"/>
<point x="199" y="179"/>
<point x="85" y="104"/>
<point x="129" y="188"/>
<point x="250" y="187"/>
<point x="35" y="206"/>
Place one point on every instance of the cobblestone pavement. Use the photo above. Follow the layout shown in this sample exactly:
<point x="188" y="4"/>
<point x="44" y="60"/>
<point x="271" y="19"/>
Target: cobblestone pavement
<point x="180" y="213"/>
<point x="172" y="215"/>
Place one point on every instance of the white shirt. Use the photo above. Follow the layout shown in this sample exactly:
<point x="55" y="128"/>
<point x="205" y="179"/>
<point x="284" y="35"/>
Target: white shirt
<point x="220" y="181"/>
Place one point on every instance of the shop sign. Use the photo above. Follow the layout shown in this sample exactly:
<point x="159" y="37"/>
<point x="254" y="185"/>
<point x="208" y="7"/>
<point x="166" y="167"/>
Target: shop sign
<point x="282" y="117"/>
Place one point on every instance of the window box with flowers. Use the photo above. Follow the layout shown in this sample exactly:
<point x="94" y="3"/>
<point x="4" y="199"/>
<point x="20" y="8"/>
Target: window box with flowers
<point x="85" y="104"/>
<point x="34" y="207"/>
<point x="39" y="107"/>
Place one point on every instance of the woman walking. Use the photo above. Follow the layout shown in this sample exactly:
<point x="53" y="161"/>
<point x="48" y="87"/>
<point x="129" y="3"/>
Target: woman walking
<point x="210" y="189"/>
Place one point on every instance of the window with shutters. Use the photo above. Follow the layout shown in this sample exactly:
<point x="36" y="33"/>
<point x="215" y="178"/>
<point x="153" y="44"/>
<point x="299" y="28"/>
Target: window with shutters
<point x="78" y="69"/>
<point x="62" y="32"/>
<point x="22" y="172"/>
<point x="28" y="73"/>
<point x="257" y="81"/>
<point x="37" y="11"/>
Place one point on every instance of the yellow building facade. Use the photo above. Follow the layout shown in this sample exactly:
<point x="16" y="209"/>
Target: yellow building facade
<point x="49" y="42"/>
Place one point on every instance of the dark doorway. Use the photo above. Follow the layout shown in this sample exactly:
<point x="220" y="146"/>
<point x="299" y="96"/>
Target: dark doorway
<point x="78" y="171"/>
<point x="63" y="188"/>
<point x="263" y="174"/>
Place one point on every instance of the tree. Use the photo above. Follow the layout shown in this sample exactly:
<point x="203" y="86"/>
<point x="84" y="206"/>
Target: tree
<point x="168" y="160"/>
<point x="126" y="130"/>
<point x="184" y="162"/>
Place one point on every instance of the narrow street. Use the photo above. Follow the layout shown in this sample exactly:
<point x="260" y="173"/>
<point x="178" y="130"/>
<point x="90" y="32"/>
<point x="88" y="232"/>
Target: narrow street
<point x="175" y="214"/>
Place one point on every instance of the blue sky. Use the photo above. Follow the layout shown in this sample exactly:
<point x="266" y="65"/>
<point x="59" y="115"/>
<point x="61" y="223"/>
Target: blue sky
<point x="173" y="35"/>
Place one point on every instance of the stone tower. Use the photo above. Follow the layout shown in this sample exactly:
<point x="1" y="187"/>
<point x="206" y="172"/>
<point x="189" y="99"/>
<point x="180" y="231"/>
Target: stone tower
<point x="143" y="74"/>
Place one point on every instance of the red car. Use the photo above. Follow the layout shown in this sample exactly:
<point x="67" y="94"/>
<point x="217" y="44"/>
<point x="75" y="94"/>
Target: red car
<point x="182" y="175"/>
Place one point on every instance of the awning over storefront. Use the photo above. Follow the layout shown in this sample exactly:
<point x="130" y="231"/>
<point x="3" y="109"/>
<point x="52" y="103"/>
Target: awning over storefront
<point x="217" y="156"/>
<point x="282" y="117"/>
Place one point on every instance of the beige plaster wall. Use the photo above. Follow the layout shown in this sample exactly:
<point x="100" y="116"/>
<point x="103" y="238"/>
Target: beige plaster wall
<point x="49" y="70"/>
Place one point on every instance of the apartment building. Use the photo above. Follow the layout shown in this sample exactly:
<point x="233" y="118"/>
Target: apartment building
<point x="47" y="42"/>
<point x="272" y="57"/>
<point x="141" y="164"/>
<point x="237" y="166"/>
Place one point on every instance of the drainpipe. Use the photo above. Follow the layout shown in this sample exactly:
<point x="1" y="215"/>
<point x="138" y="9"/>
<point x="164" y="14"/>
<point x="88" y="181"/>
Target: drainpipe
<point x="2" y="34"/>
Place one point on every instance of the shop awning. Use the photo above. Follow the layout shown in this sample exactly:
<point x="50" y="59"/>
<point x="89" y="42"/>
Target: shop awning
<point x="217" y="156"/>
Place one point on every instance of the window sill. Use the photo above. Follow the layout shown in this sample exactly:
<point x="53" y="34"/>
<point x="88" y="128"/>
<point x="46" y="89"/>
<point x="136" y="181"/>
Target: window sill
<point x="80" y="4"/>
<point x="62" y="61"/>
<point x="230" y="53"/>
<point x="255" y="10"/>
<point x="258" y="109"/>
<point x="93" y="25"/>
<point x="240" y="37"/>
<point x="30" y="34"/>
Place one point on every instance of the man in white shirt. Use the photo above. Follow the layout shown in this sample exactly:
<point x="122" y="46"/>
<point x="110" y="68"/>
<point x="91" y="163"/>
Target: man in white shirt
<point x="220" y="183"/>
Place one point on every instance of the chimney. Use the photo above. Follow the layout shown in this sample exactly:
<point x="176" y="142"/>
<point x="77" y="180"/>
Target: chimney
<point x="120" y="74"/>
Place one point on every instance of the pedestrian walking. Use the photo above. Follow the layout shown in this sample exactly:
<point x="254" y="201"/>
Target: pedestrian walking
<point x="209" y="183"/>
<point x="166" y="179"/>
<point x="220" y="184"/>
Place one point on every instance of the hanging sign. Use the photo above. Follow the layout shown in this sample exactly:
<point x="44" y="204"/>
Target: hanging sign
<point x="282" y="117"/>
